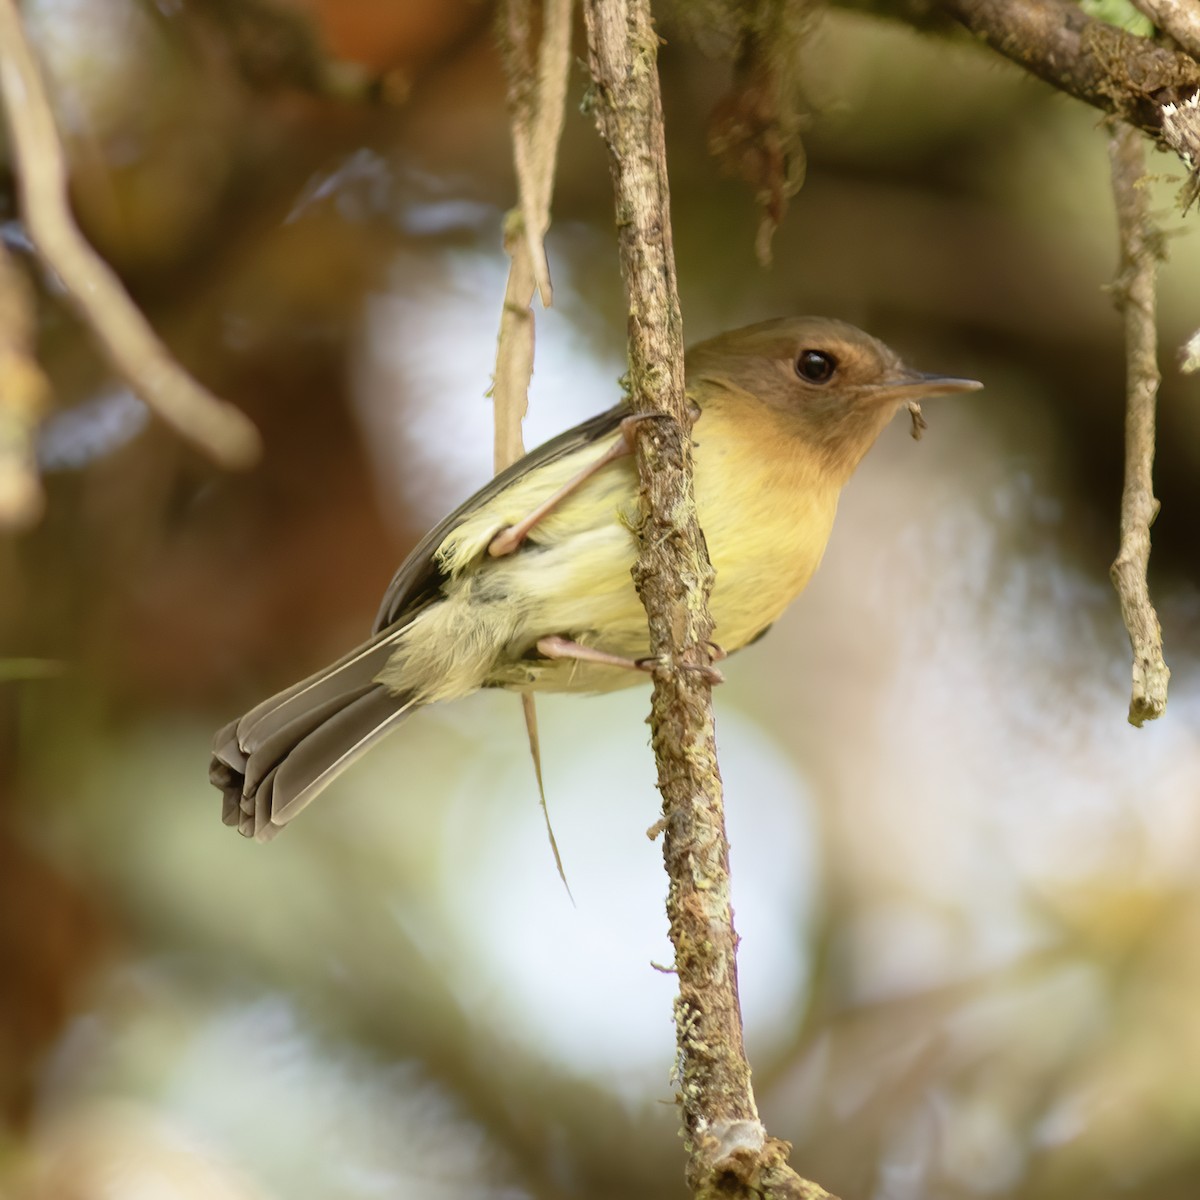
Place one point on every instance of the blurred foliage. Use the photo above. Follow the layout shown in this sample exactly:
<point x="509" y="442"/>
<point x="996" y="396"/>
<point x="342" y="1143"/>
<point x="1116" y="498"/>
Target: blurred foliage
<point x="968" y="892"/>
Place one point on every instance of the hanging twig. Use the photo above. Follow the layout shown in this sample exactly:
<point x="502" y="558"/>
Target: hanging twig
<point x="537" y="90"/>
<point x="537" y="102"/>
<point x="215" y="426"/>
<point x="1135" y="295"/>
<point x="729" y="1151"/>
<point x="538" y="106"/>
<point x="754" y="131"/>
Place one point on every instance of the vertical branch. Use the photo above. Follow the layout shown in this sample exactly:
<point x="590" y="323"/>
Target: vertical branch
<point x="537" y="103"/>
<point x="729" y="1151"/>
<point x="1135" y="295"/>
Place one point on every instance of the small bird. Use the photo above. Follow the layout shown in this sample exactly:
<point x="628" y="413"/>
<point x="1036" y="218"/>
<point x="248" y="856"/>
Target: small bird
<point x="527" y="585"/>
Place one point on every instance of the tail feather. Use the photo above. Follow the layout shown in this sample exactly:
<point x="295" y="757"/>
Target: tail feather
<point x="274" y="761"/>
<point x="352" y="673"/>
<point x="269" y="743"/>
<point x="322" y="756"/>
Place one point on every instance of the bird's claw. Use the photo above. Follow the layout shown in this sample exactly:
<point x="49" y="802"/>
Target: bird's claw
<point x="707" y="671"/>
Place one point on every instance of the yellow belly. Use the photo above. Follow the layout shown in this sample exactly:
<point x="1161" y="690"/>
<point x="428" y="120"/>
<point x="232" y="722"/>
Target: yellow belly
<point x="766" y="521"/>
<point x="765" y="517"/>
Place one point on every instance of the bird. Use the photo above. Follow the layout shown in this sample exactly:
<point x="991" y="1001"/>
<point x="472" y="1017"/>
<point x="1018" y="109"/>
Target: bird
<point x="527" y="586"/>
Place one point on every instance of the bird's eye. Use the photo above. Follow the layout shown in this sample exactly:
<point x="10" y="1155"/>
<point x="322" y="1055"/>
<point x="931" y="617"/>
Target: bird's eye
<point x="816" y="366"/>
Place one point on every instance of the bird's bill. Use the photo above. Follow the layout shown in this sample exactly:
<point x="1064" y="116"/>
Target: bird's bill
<point x="916" y="385"/>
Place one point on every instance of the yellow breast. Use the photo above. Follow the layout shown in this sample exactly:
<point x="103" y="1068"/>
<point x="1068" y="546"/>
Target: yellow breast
<point x="766" y="510"/>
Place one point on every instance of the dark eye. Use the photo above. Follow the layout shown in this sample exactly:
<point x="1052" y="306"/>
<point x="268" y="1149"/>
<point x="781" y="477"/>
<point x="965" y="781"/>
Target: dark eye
<point x="816" y="366"/>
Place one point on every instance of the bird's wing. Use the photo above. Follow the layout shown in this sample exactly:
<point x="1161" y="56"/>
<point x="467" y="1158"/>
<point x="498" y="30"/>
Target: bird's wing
<point x="419" y="577"/>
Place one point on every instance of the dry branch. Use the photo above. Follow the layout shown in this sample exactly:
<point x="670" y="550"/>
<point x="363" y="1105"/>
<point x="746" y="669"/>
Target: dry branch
<point x="1143" y="83"/>
<point x="537" y="91"/>
<point x="729" y="1151"/>
<point x="537" y="103"/>
<point x="216" y="427"/>
<point x="1135" y="295"/>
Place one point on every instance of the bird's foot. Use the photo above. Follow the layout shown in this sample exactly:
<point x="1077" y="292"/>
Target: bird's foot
<point x="710" y="674"/>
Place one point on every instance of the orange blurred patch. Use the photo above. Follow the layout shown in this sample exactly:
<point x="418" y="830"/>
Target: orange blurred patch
<point x="389" y="35"/>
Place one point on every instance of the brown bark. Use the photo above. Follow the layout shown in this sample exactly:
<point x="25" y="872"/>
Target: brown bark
<point x="729" y="1151"/>
<point x="1089" y="59"/>
<point x="1135" y="294"/>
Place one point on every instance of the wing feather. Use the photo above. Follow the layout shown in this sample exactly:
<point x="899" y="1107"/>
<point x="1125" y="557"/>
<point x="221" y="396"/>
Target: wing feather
<point x="419" y="577"/>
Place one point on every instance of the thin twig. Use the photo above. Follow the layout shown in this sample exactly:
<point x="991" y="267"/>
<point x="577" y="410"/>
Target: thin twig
<point x="215" y="426"/>
<point x="537" y="117"/>
<point x="514" y="350"/>
<point x="729" y="1151"/>
<point x="1135" y="295"/>
<point x="24" y="400"/>
<point x="537" y="103"/>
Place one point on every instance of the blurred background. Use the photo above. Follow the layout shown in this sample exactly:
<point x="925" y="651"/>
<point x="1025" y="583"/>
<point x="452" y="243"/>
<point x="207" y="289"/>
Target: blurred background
<point x="967" y="890"/>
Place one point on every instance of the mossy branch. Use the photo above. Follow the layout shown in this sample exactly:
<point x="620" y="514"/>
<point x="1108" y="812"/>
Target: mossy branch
<point x="730" y="1153"/>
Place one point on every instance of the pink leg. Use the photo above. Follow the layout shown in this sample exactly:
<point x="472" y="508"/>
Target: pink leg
<point x="509" y="539"/>
<point x="561" y="647"/>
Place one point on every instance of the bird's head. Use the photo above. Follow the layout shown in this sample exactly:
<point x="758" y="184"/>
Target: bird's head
<point x="833" y="384"/>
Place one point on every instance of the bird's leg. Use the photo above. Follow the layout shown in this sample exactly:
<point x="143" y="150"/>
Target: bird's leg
<point x="511" y="537"/>
<point x="561" y="647"/>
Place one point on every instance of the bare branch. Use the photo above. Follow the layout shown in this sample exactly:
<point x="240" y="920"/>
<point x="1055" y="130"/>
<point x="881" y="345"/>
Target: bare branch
<point x="215" y="426"/>
<point x="1118" y="72"/>
<point x="537" y="117"/>
<point x="537" y="101"/>
<point x="1135" y="295"/>
<point x="729" y="1150"/>
<point x="24" y="399"/>
<point x="537" y="121"/>
<point x="514" y="349"/>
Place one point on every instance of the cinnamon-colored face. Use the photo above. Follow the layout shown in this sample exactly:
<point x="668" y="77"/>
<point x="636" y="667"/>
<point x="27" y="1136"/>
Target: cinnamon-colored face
<point x="840" y="384"/>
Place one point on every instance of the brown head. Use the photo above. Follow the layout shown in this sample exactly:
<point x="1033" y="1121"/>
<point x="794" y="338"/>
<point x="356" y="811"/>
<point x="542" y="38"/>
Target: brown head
<point x="838" y="384"/>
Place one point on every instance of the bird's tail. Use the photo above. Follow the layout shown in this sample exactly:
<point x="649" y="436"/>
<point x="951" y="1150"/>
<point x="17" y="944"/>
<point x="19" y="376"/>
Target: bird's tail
<point x="274" y="761"/>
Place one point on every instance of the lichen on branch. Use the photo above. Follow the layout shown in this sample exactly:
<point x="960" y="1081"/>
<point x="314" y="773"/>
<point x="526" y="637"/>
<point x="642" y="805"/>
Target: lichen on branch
<point x="729" y="1151"/>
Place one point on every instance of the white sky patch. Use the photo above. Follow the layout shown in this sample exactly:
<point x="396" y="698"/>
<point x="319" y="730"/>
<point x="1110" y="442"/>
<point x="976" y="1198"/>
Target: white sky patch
<point x="575" y="984"/>
<point x="436" y="344"/>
